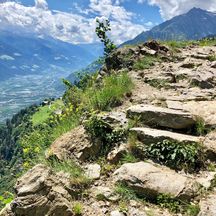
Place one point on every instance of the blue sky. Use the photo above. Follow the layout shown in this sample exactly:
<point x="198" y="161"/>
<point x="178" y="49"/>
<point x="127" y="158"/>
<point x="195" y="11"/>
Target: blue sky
<point x="145" y="13"/>
<point x="73" y="21"/>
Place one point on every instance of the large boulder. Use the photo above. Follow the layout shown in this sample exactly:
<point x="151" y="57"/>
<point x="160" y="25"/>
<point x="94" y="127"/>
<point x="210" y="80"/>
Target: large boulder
<point x="41" y="192"/>
<point x="208" y="206"/>
<point x="74" y="144"/>
<point x="149" y="181"/>
<point x="162" y="117"/>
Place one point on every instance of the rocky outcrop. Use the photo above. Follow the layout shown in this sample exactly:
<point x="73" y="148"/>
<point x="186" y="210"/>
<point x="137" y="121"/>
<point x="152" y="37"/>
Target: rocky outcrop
<point x="41" y="192"/>
<point x="162" y="117"/>
<point x="149" y="180"/>
<point x="74" y="144"/>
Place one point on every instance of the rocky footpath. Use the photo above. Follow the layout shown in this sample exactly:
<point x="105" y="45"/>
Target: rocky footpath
<point x="171" y="109"/>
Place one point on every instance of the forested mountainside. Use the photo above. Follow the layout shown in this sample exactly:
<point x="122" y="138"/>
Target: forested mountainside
<point x="194" y="25"/>
<point x="136" y="138"/>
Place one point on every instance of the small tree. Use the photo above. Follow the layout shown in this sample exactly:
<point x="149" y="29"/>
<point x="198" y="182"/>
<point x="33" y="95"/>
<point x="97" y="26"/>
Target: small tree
<point x="101" y="31"/>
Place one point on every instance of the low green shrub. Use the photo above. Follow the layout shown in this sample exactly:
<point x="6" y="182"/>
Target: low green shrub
<point x="128" y="158"/>
<point x="6" y="198"/>
<point x="177" y="206"/>
<point x="212" y="57"/>
<point x="187" y="156"/>
<point x="78" y="209"/>
<point x="125" y="192"/>
<point x="102" y="131"/>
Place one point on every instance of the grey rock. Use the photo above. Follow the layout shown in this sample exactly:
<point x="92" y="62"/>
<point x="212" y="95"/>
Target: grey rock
<point x="93" y="171"/>
<point x="41" y="192"/>
<point x="146" y="51"/>
<point x="115" y="119"/>
<point x="207" y="206"/>
<point x="74" y="144"/>
<point x="116" y="213"/>
<point x="105" y="193"/>
<point x="149" y="136"/>
<point x="150" y="180"/>
<point x="117" y="153"/>
<point x="163" y="117"/>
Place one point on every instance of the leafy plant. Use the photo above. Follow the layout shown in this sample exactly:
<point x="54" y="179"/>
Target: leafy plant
<point x="77" y="209"/>
<point x="129" y="158"/>
<point x="212" y="57"/>
<point x="100" y="130"/>
<point x="176" y="155"/>
<point x="177" y="206"/>
<point x="125" y="192"/>
<point x="101" y="30"/>
<point x="6" y="198"/>
<point x="200" y="127"/>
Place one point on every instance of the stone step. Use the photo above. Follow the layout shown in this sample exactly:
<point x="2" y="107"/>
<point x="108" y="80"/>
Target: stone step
<point x="149" y="136"/>
<point x="150" y="180"/>
<point x="161" y="117"/>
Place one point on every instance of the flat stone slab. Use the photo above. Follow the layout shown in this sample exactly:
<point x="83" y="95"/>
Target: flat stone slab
<point x="149" y="180"/>
<point x="149" y="136"/>
<point x="162" y="117"/>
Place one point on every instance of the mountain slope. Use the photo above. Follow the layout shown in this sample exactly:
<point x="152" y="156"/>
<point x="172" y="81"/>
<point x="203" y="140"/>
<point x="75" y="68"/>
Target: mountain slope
<point x="86" y="154"/>
<point x="195" y="24"/>
<point x="27" y="54"/>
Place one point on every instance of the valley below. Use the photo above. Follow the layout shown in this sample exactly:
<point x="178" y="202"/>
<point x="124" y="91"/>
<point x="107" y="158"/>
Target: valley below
<point x="22" y="91"/>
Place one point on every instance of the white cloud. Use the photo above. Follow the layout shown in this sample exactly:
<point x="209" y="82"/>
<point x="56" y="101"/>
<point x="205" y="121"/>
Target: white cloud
<point x="74" y="28"/>
<point x="7" y="58"/>
<point x="171" y="8"/>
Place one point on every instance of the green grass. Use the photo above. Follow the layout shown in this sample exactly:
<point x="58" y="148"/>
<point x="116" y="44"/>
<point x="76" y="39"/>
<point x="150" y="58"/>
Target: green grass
<point x="77" y="208"/>
<point x="77" y="175"/>
<point x="212" y="58"/>
<point x="145" y="63"/>
<point x="35" y="143"/>
<point x="125" y="192"/>
<point x="44" y="112"/>
<point x="175" y="45"/>
<point x="207" y="42"/>
<point x="110" y="94"/>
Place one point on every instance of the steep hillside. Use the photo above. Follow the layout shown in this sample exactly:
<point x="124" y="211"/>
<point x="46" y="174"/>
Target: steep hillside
<point x="137" y="138"/>
<point x="195" y="24"/>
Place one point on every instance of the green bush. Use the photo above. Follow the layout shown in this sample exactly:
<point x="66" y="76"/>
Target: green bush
<point x="176" y="155"/>
<point x="102" y="131"/>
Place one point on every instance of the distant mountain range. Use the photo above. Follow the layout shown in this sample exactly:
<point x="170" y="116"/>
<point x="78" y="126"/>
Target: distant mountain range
<point x="27" y="54"/>
<point x="195" y="24"/>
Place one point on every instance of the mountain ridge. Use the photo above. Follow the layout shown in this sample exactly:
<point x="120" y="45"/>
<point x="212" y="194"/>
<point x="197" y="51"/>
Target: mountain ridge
<point x="193" y="25"/>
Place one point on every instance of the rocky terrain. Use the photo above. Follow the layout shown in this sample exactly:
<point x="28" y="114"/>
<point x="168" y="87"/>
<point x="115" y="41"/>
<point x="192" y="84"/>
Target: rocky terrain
<point x="162" y="164"/>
